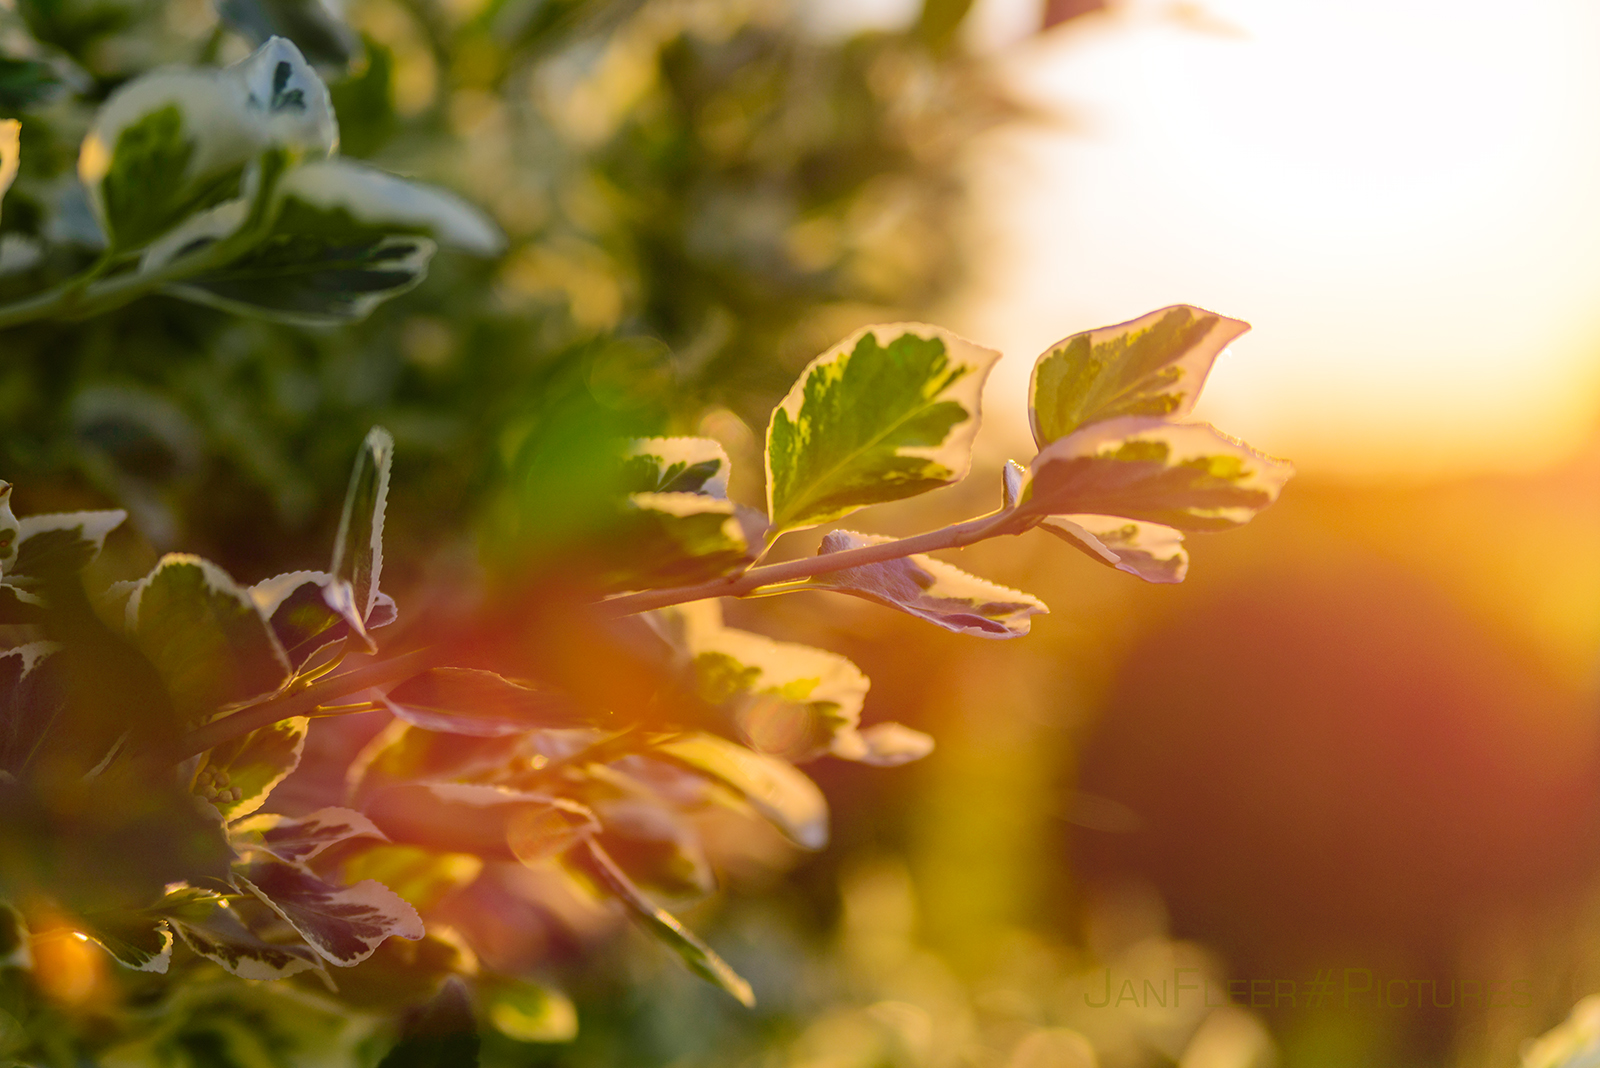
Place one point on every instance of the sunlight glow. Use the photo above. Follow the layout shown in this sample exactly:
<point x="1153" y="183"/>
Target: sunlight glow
<point x="1403" y="197"/>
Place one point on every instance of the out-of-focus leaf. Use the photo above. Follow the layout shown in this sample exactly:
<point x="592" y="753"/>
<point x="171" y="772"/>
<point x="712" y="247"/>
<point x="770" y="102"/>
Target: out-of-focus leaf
<point x="341" y="199"/>
<point x="669" y="539"/>
<point x="205" y="636"/>
<point x="1151" y="551"/>
<point x="887" y="413"/>
<point x="25" y="82"/>
<point x="401" y="753"/>
<point x="238" y="775"/>
<point x="10" y="153"/>
<point x="484" y="820"/>
<point x="1183" y="475"/>
<point x="358" y="547"/>
<point x="364" y="102"/>
<point x="699" y="957"/>
<point x="212" y="929"/>
<point x="14" y="946"/>
<point x="531" y="1012"/>
<point x="1155" y="365"/>
<point x="929" y="589"/>
<point x="136" y="940"/>
<point x="471" y="701"/>
<point x="773" y="787"/>
<point x="317" y="29"/>
<point x="299" y="840"/>
<point x="1574" y="1043"/>
<point x="60" y="542"/>
<point x="884" y="745"/>
<point x="344" y="924"/>
<point x="288" y="100"/>
<point x="10" y="528"/>
<point x="443" y="1035"/>
<point x="789" y="699"/>
<point x="30" y="703"/>
<point x="677" y="465"/>
<point x="421" y="876"/>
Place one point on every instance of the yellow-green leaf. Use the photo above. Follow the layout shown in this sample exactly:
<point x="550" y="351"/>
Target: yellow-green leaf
<point x="10" y="153"/>
<point x="773" y="787"/>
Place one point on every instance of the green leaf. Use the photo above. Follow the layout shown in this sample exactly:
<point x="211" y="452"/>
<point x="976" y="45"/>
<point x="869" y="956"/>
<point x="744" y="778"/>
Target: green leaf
<point x="470" y="701"/>
<point x="61" y="541"/>
<point x="662" y="925"/>
<point x="677" y="465"/>
<point x="300" y="840"/>
<point x="1183" y="475"/>
<point x="24" y="83"/>
<point x="343" y="924"/>
<point x="298" y="611"/>
<point x="15" y="951"/>
<point x="10" y="153"/>
<point x="421" y="876"/>
<point x="773" y="787"/>
<point x="358" y="547"/>
<point x="443" y="1035"/>
<point x="342" y="199"/>
<point x="487" y="821"/>
<point x="135" y="940"/>
<point x="671" y="539"/>
<point x="929" y="589"/>
<point x="531" y="1012"/>
<point x="887" y="413"/>
<point x="213" y="930"/>
<point x="1151" y="551"/>
<point x="318" y="31"/>
<point x="788" y="699"/>
<point x="1155" y="365"/>
<point x="205" y="636"/>
<point x="239" y="775"/>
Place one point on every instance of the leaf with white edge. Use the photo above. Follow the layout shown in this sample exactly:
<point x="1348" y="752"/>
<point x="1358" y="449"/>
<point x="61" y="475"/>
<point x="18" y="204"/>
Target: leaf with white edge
<point x="342" y="198"/>
<point x="773" y="787"/>
<point x="214" y="930"/>
<point x="1155" y="365"/>
<point x="1184" y="475"/>
<point x="670" y="539"/>
<point x="288" y="99"/>
<point x="297" y="608"/>
<point x="1012" y="476"/>
<point x="135" y="940"/>
<point x="476" y="702"/>
<point x="883" y="745"/>
<point x="929" y="589"/>
<point x="163" y="147"/>
<point x="699" y="957"/>
<point x="677" y="465"/>
<point x="9" y="529"/>
<point x="61" y="542"/>
<point x="205" y="635"/>
<point x="15" y="948"/>
<point x="1151" y="551"/>
<point x="344" y="924"/>
<point x="788" y="699"/>
<point x="887" y="413"/>
<point x="358" y="547"/>
<point x="299" y="840"/>
<point x="10" y="153"/>
<point x="531" y="1012"/>
<point x="487" y="821"/>
<point x="31" y="701"/>
<point x="239" y="775"/>
<point x="195" y="234"/>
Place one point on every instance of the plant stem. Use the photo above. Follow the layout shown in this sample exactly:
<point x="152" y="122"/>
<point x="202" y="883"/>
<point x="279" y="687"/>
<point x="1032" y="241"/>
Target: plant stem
<point x="303" y="702"/>
<point x="747" y="582"/>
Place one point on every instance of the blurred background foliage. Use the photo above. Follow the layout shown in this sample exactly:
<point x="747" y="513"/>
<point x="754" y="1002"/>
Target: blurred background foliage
<point x="1361" y="736"/>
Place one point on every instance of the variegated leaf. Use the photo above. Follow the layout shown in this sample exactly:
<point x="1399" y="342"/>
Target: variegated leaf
<point x="884" y="745"/>
<point x="298" y="611"/>
<point x="421" y="876"/>
<point x="358" y="547"/>
<point x="773" y="787"/>
<point x="887" y="413"/>
<point x="237" y="776"/>
<point x="401" y="753"/>
<point x="205" y="635"/>
<point x="677" y="465"/>
<point x="343" y="197"/>
<point x="10" y="153"/>
<point x="31" y="700"/>
<point x="289" y="102"/>
<point x="789" y="699"/>
<point x="344" y="924"/>
<point x="10" y="528"/>
<point x="1155" y="365"/>
<point x="1151" y="551"/>
<point x="135" y="940"/>
<point x="60" y="542"/>
<point x="299" y="840"/>
<point x="929" y="589"/>
<point x="212" y="929"/>
<point x="1183" y="475"/>
<point x="670" y="539"/>
<point x="487" y="821"/>
<point x="699" y="957"/>
<point x="471" y="701"/>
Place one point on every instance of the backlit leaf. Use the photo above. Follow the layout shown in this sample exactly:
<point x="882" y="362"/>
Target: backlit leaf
<point x="1153" y="366"/>
<point x="929" y="589"/>
<point x="884" y="745"/>
<point x="238" y="776"/>
<point x="470" y="701"/>
<point x="205" y="635"/>
<point x="344" y="924"/>
<point x="299" y="840"/>
<point x="421" y="876"/>
<point x="9" y="529"/>
<point x="773" y="787"/>
<point x="299" y="613"/>
<point x="212" y="929"/>
<point x="61" y="541"/>
<point x="530" y="1012"/>
<point x="887" y="413"/>
<point x="1183" y="475"/>
<point x="669" y="539"/>
<point x="699" y="957"/>
<point x="1151" y="551"/>
<point x="487" y="821"/>
<point x="358" y="547"/>
<point x="677" y="465"/>
<point x="10" y="153"/>
<point x="342" y="199"/>
<point x="135" y="940"/>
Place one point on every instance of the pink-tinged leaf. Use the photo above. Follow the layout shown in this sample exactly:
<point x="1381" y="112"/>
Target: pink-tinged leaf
<point x="212" y="929"/>
<point x="479" y="703"/>
<point x="1151" y="551"/>
<point x="884" y="745"/>
<point x="1155" y="365"/>
<point x="487" y="821"/>
<point x="344" y="924"/>
<point x="299" y="840"/>
<point x="1184" y="475"/>
<point x="931" y="590"/>
<point x="773" y="787"/>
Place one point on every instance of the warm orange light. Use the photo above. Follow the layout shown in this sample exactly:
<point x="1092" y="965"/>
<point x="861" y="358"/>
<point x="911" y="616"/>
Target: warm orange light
<point x="68" y="968"/>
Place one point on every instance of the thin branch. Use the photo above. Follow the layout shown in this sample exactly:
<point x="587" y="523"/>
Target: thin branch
<point x="748" y="582"/>
<point x="303" y="702"/>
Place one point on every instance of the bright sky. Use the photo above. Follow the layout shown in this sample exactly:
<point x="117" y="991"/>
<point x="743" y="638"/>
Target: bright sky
<point x="1403" y="197"/>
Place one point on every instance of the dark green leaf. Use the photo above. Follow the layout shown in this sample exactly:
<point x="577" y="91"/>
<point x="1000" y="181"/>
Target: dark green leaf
<point x="443" y="1035"/>
<point x="61" y="542"/>
<point x="212" y="929"/>
<point x="136" y="940"/>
